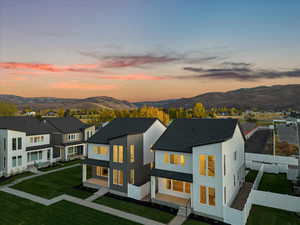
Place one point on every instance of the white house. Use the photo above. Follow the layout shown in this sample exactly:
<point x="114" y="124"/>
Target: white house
<point x="199" y="166"/>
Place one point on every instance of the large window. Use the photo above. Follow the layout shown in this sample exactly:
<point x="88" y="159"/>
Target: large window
<point x="101" y="171"/>
<point x="211" y="196"/>
<point x="34" y="156"/>
<point x="14" y="161"/>
<point x="101" y="150"/>
<point x="14" y="144"/>
<point x="177" y="185"/>
<point x="202" y="165"/>
<point x="19" y="160"/>
<point x="118" y="177"/>
<point x="131" y="179"/>
<point x="166" y="158"/>
<point x="202" y="194"/>
<point x="211" y="165"/>
<point x="131" y="153"/>
<point x="118" y="153"/>
<point x="177" y="159"/>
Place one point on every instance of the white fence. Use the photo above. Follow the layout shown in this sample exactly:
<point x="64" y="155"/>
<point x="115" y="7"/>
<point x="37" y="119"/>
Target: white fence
<point x="138" y="192"/>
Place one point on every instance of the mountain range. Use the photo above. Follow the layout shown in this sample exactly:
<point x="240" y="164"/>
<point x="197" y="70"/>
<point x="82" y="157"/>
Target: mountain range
<point x="278" y="97"/>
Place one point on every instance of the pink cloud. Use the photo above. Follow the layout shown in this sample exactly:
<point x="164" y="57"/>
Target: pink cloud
<point x="50" y="67"/>
<point x="81" y="86"/>
<point x="133" y="77"/>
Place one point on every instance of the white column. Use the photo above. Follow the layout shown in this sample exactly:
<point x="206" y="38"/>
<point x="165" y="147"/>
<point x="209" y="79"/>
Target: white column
<point x="84" y="172"/>
<point x="66" y="153"/>
<point x="108" y="180"/>
<point x="153" y="185"/>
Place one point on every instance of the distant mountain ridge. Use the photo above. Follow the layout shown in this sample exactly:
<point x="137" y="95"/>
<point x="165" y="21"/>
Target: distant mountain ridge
<point x="277" y="97"/>
<point x="37" y="103"/>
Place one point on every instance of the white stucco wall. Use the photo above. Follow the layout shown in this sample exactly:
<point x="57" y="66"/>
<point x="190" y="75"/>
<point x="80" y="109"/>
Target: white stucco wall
<point x="149" y="138"/>
<point x="93" y="155"/>
<point x="138" y="192"/>
<point x="45" y="142"/>
<point x="90" y="130"/>
<point x="186" y="168"/>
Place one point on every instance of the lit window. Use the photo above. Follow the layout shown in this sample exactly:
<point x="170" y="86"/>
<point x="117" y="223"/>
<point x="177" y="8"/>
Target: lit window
<point x="131" y="153"/>
<point x="101" y="171"/>
<point x="177" y="185"/>
<point x="211" y="165"/>
<point x="211" y="196"/>
<point x="202" y="194"/>
<point x="101" y="150"/>
<point x="187" y="188"/>
<point x="168" y="184"/>
<point x="120" y="153"/>
<point x="118" y="177"/>
<point x="202" y="165"/>
<point x="115" y="153"/>
<point x="131" y="180"/>
<point x="166" y="157"/>
<point x="177" y="159"/>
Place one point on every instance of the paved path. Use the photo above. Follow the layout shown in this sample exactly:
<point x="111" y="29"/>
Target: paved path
<point x="102" y="191"/>
<point x="177" y="220"/>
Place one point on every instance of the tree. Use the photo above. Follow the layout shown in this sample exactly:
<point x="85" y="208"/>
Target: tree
<point x="61" y="112"/>
<point x="199" y="111"/>
<point x="7" y="109"/>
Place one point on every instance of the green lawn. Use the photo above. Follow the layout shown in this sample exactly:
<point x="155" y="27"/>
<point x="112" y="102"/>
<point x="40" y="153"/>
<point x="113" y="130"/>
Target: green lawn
<point x="260" y="215"/>
<point x="18" y="211"/>
<point x="60" y="165"/>
<point x="55" y="184"/>
<point x="4" y="181"/>
<point x="134" y="208"/>
<point x="276" y="183"/>
<point x="194" y="222"/>
<point x="251" y="176"/>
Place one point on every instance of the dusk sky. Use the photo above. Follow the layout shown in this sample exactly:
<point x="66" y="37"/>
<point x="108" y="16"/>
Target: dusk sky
<point x="146" y="50"/>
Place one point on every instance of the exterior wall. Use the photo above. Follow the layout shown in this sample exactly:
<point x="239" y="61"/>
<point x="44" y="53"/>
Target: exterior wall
<point x="233" y="167"/>
<point x="92" y="155"/>
<point x="214" y="182"/>
<point x="138" y="192"/>
<point x="186" y="168"/>
<point x="3" y="150"/>
<point x="149" y="138"/>
<point x="88" y="132"/>
<point x="45" y="142"/>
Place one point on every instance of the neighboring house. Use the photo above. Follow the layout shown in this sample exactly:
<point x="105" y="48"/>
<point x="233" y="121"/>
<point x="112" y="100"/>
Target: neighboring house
<point x="27" y="142"/>
<point x="120" y="156"/>
<point x="69" y="138"/>
<point x="199" y="166"/>
<point x="24" y="142"/>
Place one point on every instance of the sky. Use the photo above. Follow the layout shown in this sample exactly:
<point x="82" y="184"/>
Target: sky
<point x="141" y="50"/>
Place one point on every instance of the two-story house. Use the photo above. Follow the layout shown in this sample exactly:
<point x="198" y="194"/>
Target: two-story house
<point x="24" y="142"/>
<point x="69" y="138"/>
<point x="199" y="166"/>
<point x="120" y="156"/>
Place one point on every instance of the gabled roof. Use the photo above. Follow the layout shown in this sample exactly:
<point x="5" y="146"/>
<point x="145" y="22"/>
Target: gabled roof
<point x="120" y="127"/>
<point x="183" y="134"/>
<point x="27" y="124"/>
<point x="66" y="124"/>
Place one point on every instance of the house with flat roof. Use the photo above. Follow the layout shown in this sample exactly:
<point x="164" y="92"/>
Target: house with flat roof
<point x="119" y="156"/>
<point x="199" y="166"/>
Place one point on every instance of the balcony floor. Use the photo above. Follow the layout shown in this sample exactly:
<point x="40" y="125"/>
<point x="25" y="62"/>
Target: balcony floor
<point x="171" y="200"/>
<point x="98" y="182"/>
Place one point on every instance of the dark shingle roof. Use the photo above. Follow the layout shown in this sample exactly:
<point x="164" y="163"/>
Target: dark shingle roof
<point x="121" y="127"/>
<point x="66" y="124"/>
<point x="30" y="125"/>
<point x="183" y="134"/>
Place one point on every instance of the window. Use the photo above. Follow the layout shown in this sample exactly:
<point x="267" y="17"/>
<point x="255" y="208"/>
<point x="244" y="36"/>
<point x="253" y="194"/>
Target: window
<point x="14" y="144"/>
<point x="168" y="184"/>
<point x="177" y="159"/>
<point x="187" y="188"/>
<point x="31" y="140"/>
<point x="211" y="165"/>
<point x="115" y="153"/>
<point x="118" y="177"/>
<point x="202" y="165"/>
<point x="101" y="171"/>
<point x="118" y="153"/>
<point x="234" y="180"/>
<point x="152" y="165"/>
<point x="235" y="155"/>
<point x="211" y="196"/>
<point x="224" y="195"/>
<point x="131" y="179"/>
<point x="34" y="156"/>
<point x="101" y="150"/>
<point x="177" y="185"/>
<point x="19" y="160"/>
<point x="48" y="154"/>
<point x="224" y="165"/>
<point x="202" y="194"/>
<point x="19" y="143"/>
<point x="14" y="161"/>
<point x="131" y="153"/>
<point x="166" y="158"/>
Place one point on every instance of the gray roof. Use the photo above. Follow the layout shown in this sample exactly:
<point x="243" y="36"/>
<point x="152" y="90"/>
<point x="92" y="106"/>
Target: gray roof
<point x="29" y="125"/>
<point x="183" y="134"/>
<point x="120" y="127"/>
<point x="66" y="124"/>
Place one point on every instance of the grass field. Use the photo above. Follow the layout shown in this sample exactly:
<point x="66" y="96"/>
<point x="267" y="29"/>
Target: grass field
<point x="18" y="211"/>
<point x="276" y="183"/>
<point x="54" y="184"/>
<point x="134" y="208"/>
<point x="8" y="180"/>
<point x="60" y="165"/>
<point x="251" y="176"/>
<point x="260" y="215"/>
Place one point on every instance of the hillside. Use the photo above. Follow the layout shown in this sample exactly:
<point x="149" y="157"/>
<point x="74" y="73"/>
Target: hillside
<point x="67" y="103"/>
<point x="278" y="97"/>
